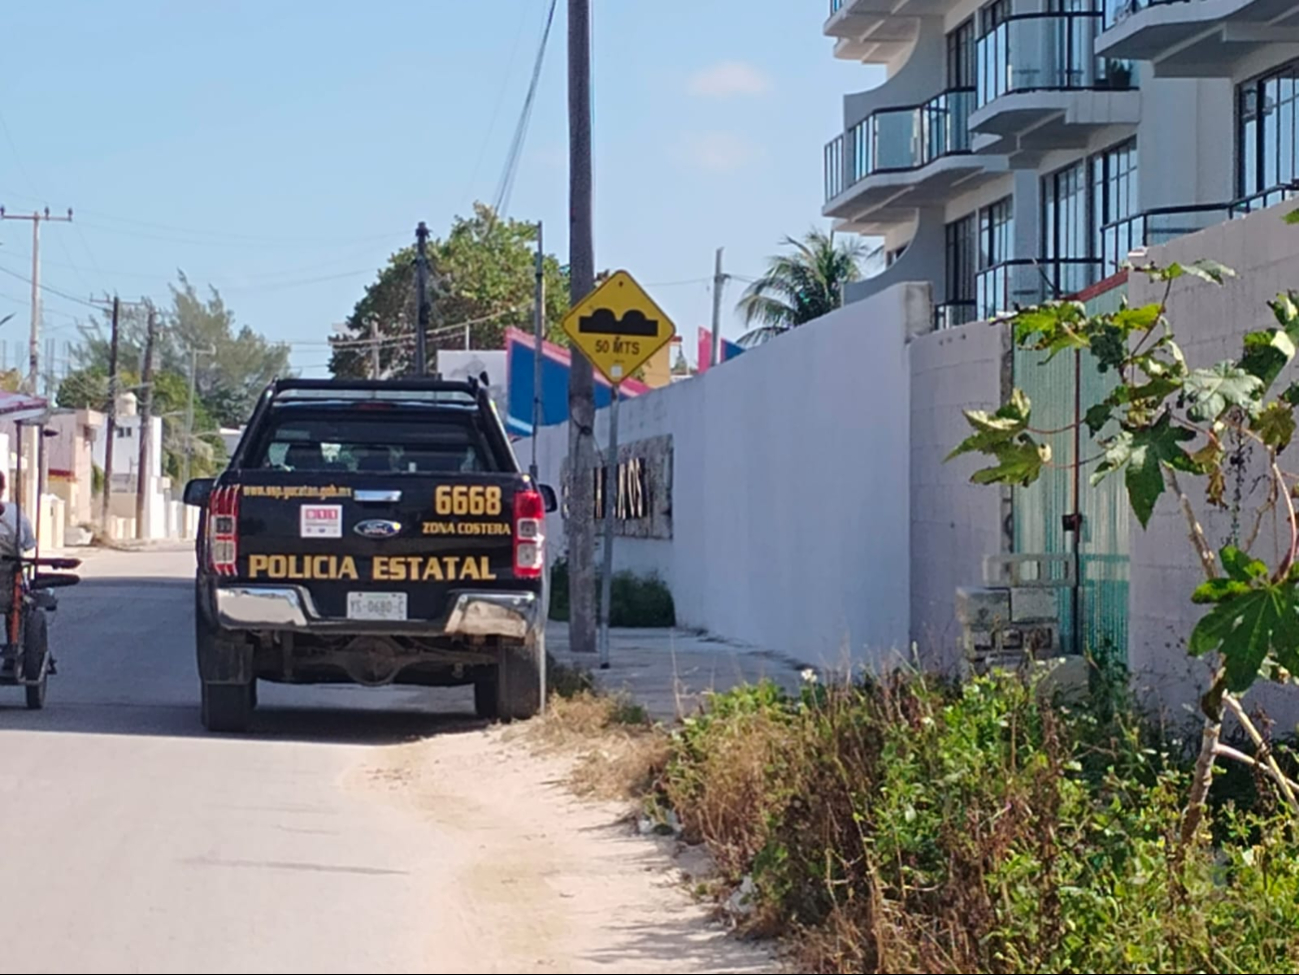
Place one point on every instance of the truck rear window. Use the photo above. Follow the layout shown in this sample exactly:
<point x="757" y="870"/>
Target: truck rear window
<point x="379" y="443"/>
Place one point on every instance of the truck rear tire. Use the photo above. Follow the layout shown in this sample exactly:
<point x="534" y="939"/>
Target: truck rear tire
<point x="227" y="708"/>
<point x="518" y="682"/>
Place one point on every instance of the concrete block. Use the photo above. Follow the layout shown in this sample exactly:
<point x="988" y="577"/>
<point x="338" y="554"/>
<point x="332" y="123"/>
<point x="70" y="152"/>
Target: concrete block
<point x="982" y="608"/>
<point x="1033" y="603"/>
<point x="1038" y="570"/>
<point x="1067" y="677"/>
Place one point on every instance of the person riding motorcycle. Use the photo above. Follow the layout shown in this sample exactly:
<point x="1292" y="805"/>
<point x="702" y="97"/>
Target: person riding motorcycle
<point x="16" y="539"/>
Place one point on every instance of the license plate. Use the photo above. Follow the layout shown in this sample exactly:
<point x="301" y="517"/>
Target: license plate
<point x="386" y="606"/>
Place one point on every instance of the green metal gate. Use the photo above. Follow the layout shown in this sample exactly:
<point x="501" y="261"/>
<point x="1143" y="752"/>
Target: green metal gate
<point x="1062" y="513"/>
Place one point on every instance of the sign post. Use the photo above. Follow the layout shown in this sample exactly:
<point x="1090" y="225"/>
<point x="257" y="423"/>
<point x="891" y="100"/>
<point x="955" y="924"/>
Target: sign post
<point x="619" y="328"/>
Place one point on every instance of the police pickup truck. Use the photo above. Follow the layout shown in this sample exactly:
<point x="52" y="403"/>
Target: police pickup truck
<point x="371" y="532"/>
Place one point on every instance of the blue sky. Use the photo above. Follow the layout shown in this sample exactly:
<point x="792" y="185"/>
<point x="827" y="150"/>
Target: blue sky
<point x="281" y="150"/>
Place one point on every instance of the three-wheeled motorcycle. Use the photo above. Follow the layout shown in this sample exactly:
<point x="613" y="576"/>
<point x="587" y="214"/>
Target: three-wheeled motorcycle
<point x="26" y="596"/>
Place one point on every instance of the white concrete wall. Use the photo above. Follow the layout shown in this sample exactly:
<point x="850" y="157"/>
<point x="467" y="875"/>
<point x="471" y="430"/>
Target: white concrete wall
<point x="790" y="496"/>
<point x="1209" y="322"/>
<point x="954" y="524"/>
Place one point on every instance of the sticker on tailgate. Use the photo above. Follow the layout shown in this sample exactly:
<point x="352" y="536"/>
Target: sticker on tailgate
<point x="322" y="521"/>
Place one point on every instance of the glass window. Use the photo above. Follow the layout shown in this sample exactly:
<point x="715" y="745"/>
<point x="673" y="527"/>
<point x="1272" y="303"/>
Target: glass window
<point x="1114" y="204"/>
<point x="342" y="441"/>
<point x="1067" y="236"/>
<point x="961" y="263"/>
<point x="1267" y="131"/>
<point x="960" y="56"/>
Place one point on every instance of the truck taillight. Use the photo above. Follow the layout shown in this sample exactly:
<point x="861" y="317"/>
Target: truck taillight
<point x="223" y="530"/>
<point x="529" y="535"/>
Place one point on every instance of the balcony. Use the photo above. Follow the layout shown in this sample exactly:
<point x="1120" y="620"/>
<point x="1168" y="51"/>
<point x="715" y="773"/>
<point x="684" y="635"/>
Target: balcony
<point x="878" y="31"/>
<point x="1159" y="225"/>
<point x="898" y="159"/>
<point x="1030" y="281"/>
<point x="1041" y="85"/>
<point x="1196" y="38"/>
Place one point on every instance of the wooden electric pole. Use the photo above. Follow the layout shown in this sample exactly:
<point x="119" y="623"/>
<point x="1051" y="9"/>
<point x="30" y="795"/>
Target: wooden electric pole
<point x="580" y="523"/>
<point x="34" y="342"/>
<point x="110" y="424"/>
<point x="422" y="299"/>
<point x="146" y="429"/>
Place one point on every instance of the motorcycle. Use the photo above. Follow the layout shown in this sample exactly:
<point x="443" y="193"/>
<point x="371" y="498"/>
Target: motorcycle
<point x="26" y="596"/>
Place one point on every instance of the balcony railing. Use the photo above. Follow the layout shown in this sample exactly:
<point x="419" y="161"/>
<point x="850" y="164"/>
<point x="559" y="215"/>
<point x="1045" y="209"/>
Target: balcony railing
<point x="1029" y="281"/>
<point x="836" y="6"/>
<point x="898" y="139"/>
<point x="1117" y="11"/>
<point x="1046" y="52"/>
<point x="834" y="159"/>
<point x="954" y="314"/>
<point x="1159" y="225"/>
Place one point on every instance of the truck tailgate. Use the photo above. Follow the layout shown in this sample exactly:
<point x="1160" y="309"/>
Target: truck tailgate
<point x="390" y="546"/>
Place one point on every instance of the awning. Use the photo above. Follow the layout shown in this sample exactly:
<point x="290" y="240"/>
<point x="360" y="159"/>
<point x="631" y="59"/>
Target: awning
<point x="20" y="406"/>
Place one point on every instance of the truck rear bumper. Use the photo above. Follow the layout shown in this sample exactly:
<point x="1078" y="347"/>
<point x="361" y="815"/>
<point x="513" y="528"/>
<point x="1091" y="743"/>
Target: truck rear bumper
<point x="510" y="615"/>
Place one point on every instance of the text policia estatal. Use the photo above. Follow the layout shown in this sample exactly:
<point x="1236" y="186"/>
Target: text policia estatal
<point x="383" y="568"/>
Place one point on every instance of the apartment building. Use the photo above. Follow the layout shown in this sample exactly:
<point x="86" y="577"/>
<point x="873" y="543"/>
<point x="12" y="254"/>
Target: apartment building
<point x="1020" y="149"/>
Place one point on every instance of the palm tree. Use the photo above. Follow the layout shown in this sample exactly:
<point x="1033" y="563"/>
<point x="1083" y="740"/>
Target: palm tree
<point x="802" y="286"/>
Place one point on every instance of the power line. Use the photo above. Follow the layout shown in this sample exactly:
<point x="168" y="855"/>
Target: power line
<point x="500" y="100"/>
<point x="52" y="290"/>
<point x="506" y="185"/>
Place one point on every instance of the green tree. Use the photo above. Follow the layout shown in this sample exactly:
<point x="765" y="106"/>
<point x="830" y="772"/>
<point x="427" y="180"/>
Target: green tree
<point x="1169" y="420"/>
<point x="802" y="286"/>
<point x="87" y="388"/>
<point x="228" y="380"/>
<point x="483" y="275"/>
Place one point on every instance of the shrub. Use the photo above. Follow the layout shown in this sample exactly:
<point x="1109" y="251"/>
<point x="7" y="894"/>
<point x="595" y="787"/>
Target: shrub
<point x="640" y="601"/>
<point x="918" y="825"/>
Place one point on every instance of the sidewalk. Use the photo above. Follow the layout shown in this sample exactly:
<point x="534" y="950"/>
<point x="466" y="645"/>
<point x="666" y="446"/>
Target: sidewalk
<point x="668" y="671"/>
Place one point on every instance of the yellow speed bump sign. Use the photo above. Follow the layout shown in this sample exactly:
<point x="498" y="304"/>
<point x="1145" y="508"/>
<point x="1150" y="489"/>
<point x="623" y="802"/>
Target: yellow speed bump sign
<point x="618" y="327"/>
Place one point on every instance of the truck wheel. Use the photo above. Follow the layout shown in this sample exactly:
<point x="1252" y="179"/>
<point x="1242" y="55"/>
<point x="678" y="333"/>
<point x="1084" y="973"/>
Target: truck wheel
<point x="227" y="708"/>
<point x="35" y="648"/>
<point x="518" y="682"/>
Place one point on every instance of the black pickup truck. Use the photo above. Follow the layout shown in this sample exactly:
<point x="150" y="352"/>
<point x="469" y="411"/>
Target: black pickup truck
<point x="371" y="532"/>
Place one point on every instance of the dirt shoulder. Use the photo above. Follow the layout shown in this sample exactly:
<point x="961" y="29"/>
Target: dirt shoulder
<point x="552" y="882"/>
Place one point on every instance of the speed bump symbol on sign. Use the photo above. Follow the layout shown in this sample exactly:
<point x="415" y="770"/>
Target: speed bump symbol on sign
<point x="618" y="327"/>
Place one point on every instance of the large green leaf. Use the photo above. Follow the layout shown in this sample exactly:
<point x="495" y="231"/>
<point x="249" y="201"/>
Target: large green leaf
<point x="1247" y="628"/>
<point x="1276" y="425"/>
<point x="1267" y="353"/>
<point x="992" y="430"/>
<point x="1017" y="463"/>
<point x="1241" y="566"/>
<point x="1140" y="319"/>
<point x="1211" y="392"/>
<point x="1053" y="328"/>
<point x="1142" y="454"/>
<point x="1254" y="620"/>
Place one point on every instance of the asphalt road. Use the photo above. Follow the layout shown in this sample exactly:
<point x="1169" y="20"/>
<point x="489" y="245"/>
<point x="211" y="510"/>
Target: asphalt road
<point x="352" y="831"/>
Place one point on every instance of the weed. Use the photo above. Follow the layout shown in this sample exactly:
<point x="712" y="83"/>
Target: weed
<point x="913" y="824"/>
<point x="635" y="601"/>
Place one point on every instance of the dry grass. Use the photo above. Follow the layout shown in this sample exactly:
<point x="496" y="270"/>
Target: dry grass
<point x="619" y="753"/>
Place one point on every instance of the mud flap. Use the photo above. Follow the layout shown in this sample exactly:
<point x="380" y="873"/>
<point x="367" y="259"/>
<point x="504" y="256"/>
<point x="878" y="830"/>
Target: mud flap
<point x="222" y="660"/>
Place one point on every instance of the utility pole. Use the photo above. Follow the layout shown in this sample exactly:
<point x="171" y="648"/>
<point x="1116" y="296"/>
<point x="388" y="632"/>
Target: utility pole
<point x="538" y="339"/>
<point x="146" y="428"/>
<point x="34" y="343"/>
<point x="110" y="426"/>
<point x="376" y="366"/>
<point x="719" y="282"/>
<point x="194" y="352"/>
<point x="421" y="296"/>
<point x="581" y="379"/>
